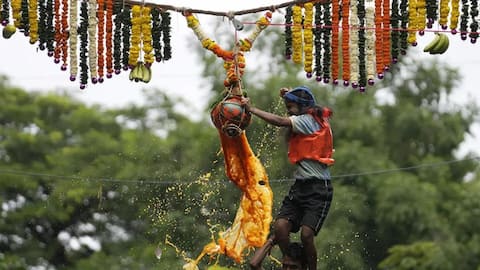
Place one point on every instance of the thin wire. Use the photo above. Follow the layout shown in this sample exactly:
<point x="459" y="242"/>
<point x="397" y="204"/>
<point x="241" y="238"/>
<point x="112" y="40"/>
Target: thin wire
<point x="154" y="182"/>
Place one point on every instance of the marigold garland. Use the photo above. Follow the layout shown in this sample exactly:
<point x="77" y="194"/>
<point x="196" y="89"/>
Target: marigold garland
<point x="58" y="32"/>
<point x="17" y="12"/>
<point x="386" y="40"/>
<point x="454" y="15"/>
<point x="345" y="42"/>
<point x="412" y="22"/>
<point x="444" y="11"/>
<point x="147" y="47"/>
<point x="308" y="39"/>
<point x="335" y="40"/>
<point x="379" y="36"/>
<point x="108" y="37"/>
<point x="297" y="34"/>
<point x="33" y="20"/>
<point x="101" y="39"/>
<point x="318" y="31"/>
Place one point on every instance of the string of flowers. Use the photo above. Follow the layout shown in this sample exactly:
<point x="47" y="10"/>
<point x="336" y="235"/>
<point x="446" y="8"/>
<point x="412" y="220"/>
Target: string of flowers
<point x="108" y="37"/>
<point x="474" y="22"/>
<point x="379" y="36"/>
<point x="234" y="61"/>
<point x="83" y="33"/>
<point x="100" y="39"/>
<point x="354" y="44"/>
<point x="404" y="17"/>
<point x="126" y="32"/>
<point x="32" y="20"/>
<point x="421" y="16"/>
<point x="42" y="25"/>
<point x="24" y="23"/>
<point x="72" y="39"/>
<point x="64" y="35"/>
<point x="167" y="48"/>
<point x="17" y="13"/>
<point x="361" y="46"/>
<point x="432" y="6"/>
<point x="49" y="28"/>
<point x="117" y="37"/>
<point x="58" y="32"/>
<point x="288" y="32"/>
<point x="412" y="22"/>
<point x="464" y="20"/>
<point x="318" y="30"/>
<point x="444" y="11"/>
<point x="147" y="47"/>
<point x="308" y="39"/>
<point x="327" y="32"/>
<point x="136" y="35"/>
<point x="297" y="34"/>
<point x="335" y="40"/>
<point x="92" y="35"/>
<point x="395" y="19"/>
<point x="5" y="13"/>
<point x="454" y="15"/>
<point x="370" y="41"/>
<point x="345" y="42"/>
<point x="157" y="34"/>
<point x="387" y="54"/>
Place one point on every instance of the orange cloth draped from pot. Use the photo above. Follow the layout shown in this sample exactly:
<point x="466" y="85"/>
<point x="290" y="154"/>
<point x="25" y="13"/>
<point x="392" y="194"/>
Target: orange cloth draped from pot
<point x="251" y="225"/>
<point x="252" y="221"/>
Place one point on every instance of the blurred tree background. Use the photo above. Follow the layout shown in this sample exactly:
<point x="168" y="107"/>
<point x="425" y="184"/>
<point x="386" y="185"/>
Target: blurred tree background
<point x="143" y="187"/>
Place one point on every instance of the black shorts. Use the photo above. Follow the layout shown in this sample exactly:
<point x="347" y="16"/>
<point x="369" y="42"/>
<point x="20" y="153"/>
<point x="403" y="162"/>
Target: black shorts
<point x="307" y="203"/>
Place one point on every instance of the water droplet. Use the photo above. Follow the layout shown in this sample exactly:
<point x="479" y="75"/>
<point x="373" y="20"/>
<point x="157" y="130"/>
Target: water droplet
<point x="158" y="252"/>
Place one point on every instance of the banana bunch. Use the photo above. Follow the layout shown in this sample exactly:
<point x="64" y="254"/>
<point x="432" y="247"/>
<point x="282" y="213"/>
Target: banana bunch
<point x="140" y="73"/>
<point x="438" y="45"/>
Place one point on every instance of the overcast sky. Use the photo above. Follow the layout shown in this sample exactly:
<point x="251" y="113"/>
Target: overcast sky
<point x="34" y="70"/>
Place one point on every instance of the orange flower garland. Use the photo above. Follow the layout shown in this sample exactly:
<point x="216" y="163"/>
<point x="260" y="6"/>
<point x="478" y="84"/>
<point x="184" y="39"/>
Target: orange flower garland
<point x="109" y="38"/>
<point x="64" y="38"/>
<point x="100" y="40"/>
<point x="345" y="45"/>
<point x="335" y="40"/>
<point x="386" y="40"/>
<point x="58" y="32"/>
<point x="379" y="38"/>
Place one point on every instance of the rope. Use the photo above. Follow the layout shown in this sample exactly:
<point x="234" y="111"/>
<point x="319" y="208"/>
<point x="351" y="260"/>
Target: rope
<point x="162" y="183"/>
<point x="225" y="14"/>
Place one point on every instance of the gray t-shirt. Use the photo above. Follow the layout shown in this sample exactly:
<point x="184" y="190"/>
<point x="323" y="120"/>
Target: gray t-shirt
<point x="307" y="168"/>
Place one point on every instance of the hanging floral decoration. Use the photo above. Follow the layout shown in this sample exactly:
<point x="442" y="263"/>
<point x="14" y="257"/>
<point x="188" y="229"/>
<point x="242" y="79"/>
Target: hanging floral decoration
<point x="234" y="60"/>
<point x="363" y="36"/>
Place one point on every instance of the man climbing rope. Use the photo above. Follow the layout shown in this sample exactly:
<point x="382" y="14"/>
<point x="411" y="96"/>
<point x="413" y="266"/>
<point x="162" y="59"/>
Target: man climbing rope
<point x="310" y="148"/>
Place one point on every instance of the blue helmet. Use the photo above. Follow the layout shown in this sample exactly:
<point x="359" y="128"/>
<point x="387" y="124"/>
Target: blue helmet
<point x="290" y="96"/>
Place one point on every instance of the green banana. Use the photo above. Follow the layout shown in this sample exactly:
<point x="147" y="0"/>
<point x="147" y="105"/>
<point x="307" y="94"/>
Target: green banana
<point x="9" y="30"/>
<point x="432" y="43"/>
<point x="147" y="74"/>
<point x="441" y="46"/>
<point x="131" y="75"/>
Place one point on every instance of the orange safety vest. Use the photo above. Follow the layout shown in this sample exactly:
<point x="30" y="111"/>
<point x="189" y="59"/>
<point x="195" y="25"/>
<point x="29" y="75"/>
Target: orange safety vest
<point x="317" y="146"/>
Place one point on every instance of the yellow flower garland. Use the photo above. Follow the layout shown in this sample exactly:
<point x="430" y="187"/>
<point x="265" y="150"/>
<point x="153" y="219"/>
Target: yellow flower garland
<point x="412" y="22"/>
<point x="297" y="34"/>
<point x="444" y="11"/>
<point x="17" y="12"/>
<point x="147" y="46"/>
<point x="33" y="20"/>
<point x="136" y="36"/>
<point x="454" y="14"/>
<point x="308" y="39"/>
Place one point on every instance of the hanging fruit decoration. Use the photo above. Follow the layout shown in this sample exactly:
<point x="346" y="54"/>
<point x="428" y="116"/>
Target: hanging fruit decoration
<point x="96" y="39"/>
<point x="113" y="35"/>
